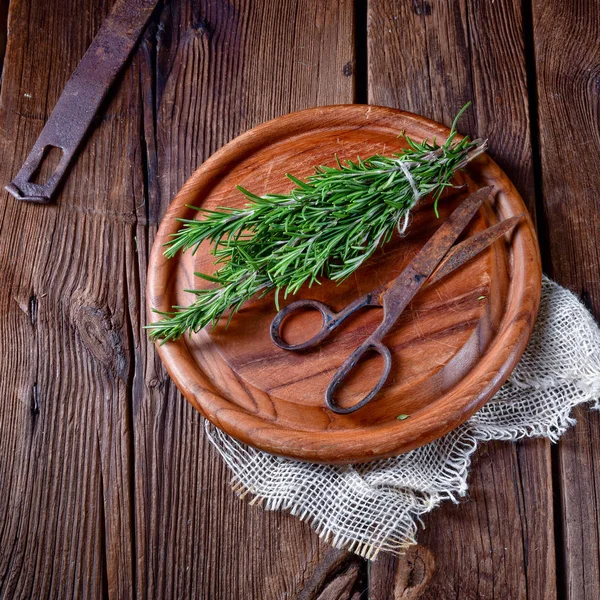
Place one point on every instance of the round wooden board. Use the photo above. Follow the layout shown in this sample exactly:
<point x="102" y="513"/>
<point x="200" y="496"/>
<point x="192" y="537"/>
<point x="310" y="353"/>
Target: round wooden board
<point x="453" y="347"/>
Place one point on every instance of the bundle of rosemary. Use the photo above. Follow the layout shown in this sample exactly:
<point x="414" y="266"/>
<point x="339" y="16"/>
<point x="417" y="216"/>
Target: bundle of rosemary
<point x="326" y="226"/>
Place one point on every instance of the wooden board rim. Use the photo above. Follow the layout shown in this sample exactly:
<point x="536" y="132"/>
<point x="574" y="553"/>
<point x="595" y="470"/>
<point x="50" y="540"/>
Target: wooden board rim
<point x="360" y="445"/>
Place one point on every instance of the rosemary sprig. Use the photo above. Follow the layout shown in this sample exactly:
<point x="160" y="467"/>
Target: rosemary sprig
<point x="326" y="226"/>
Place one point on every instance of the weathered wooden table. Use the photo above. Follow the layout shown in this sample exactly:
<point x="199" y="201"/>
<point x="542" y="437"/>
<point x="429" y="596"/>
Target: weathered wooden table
<point x="107" y="486"/>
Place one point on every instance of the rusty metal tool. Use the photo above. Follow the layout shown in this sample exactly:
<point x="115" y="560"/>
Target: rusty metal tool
<point x="82" y="97"/>
<point x="435" y="260"/>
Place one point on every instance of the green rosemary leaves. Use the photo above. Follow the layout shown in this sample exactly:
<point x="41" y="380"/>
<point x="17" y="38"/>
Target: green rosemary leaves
<point x="326" y="226"/>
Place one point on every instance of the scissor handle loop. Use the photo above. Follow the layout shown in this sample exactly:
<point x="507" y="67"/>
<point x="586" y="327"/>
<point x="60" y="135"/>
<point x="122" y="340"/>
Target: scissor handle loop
<point x="348" y="365"/>
<point x="328" y="315"/>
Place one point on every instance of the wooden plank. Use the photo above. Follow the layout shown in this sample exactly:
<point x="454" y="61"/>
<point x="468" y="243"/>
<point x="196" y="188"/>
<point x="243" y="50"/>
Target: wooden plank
<point x="65" y="506"/>
<point x="431" y="58"/>
<point x="567" y="57"/>
<point x="3" y="30"/>
<point x="209" y="71"/>
<point x="85" y="305"/>
<point x="92" y="405"/>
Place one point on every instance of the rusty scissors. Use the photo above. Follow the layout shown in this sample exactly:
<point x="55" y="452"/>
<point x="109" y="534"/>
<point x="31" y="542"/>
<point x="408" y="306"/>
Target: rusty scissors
<point x="438" y="257"/>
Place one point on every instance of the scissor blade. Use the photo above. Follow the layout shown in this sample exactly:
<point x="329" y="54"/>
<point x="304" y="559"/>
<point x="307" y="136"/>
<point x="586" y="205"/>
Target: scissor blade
<point x="404" y="288"/>
<point x="465" y="251"/>
<point x="442" y="240"/>
<point x="428" y="258"/>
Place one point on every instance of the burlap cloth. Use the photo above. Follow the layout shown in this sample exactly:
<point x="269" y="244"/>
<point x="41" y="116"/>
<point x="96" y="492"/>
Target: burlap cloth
<point x="377" y="506"/>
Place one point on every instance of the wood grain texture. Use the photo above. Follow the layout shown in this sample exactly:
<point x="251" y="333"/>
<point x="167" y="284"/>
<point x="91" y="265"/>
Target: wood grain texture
<point x="109" y="487"/>
<point x="432" y="57"/>
<point x="407" y="576"/>
<point x="3" y="30"/>
<point x="65" y="504"/>
<point x="102" y="462"/>
<point x="568" y="77"/>
<point x="208" y="71"/>
<point x="451" y="350"/>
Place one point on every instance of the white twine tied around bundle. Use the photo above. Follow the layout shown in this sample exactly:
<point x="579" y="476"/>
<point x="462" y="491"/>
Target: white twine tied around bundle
<point x="404" y="219"/>
<point x="416" y="195"/>
<point x="377" y="506"/>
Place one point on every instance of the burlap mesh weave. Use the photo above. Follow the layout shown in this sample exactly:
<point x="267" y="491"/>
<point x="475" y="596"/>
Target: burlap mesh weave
<point x="377" y="506"/>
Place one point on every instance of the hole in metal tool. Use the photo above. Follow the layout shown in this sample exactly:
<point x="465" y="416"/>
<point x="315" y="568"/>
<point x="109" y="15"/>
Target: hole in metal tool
<point x="361" y="379"/>
<point x="48" y="164"/>
<point x="301" y="325"/>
